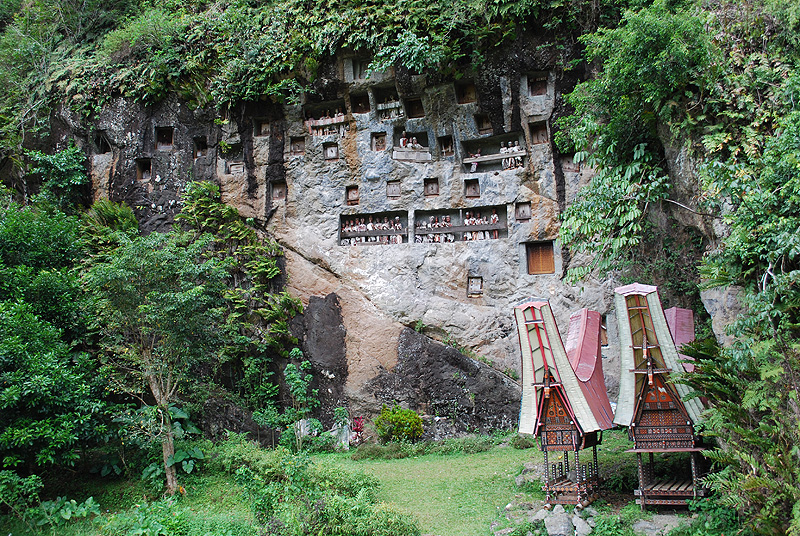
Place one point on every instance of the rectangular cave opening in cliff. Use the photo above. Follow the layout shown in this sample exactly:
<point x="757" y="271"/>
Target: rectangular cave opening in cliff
<point x="540" y="258"/>
<point x="360" y="103"/>
<point x="330" y="151"/>
<point x="278" y="191"/>
<point x="483" y="125"/>
<point x="537" y="83"/>
<point x="604" y="330"/>
<point x="446" y="147"/>
<point x="101" y="143"/>
<point x="373" y="229"/>
<point x="387" y="103"/>
<point x="360" y="67"/>
<point x="236" y="168"/>
<point x="200" y="146"/>
<point x="568" y="163"/>
<point x="378" y="141"/>
<point x="522" y="211"/>
<point x="297" y="145"/>
<point x="419" y="138"/>
<point x="393" y="189"/>
<point x="472" y="188"/>
<point x="325" y="110"/>
<point x="144" y="170"/>
<point x="494" y="153"/>
<point x="539" y="132"/>
<point x="351" y="195"/>
<point x="164" y="138"/>
<point x="414" y="108"/>
<point x="466" y="92"/>
<point x="474" y="287"/>
<point x="431" y="187"/>
<point x="487" y="222"/>
<point x="260" y="127"/>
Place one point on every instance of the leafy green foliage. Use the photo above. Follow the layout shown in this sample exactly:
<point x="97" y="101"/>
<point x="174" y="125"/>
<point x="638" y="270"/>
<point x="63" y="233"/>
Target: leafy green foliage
<point x="398" y="424"/>
<point x="49" y="395"/>
<point x="293" y="496"/>
<point x="257" y="313"/>
<point x="607" y="220"/>
<point x="158" y="302"/>
<point x="303" y="397"/>
<point x="61" y="511"/>
<point x="18" y="494"/>
<point x="63" y="174"/>
<point x="398" y="450"/>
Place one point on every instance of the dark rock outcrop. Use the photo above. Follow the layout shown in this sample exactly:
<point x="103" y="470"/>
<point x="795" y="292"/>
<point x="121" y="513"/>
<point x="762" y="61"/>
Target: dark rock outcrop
<point x="436" y="379"/>
<point x="321" y="334"/>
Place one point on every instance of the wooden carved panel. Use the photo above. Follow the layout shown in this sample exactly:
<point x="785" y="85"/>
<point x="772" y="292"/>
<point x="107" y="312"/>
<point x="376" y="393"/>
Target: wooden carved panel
<point x="558" y="424"/>
<point x="662" y="423"/>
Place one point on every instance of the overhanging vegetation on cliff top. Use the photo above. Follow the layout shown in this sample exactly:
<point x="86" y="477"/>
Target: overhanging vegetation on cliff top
<point x="55" y="53"/>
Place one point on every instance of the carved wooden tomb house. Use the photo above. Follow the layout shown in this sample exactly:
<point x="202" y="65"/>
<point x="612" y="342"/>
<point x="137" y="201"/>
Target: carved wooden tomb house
<point x="649" y="404"/>
<point x="564" y="400"/>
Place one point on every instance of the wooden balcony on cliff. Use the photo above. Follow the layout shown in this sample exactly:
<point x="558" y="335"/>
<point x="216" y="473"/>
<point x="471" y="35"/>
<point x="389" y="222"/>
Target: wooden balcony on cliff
<point x="410" y="154"/>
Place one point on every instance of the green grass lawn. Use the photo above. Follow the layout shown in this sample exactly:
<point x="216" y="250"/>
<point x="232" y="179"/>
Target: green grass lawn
<point x="451" y="495"/>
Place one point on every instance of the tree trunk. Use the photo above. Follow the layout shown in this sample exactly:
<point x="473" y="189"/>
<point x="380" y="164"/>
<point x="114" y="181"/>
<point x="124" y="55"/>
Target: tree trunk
<point x="168" y="449"/>
<point x="168" y="441"/>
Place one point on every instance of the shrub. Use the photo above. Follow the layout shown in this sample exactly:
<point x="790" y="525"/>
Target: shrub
<point x="463" y="445"/>
<point x="390" y="451"/>
<point x="398" y="424"/>
<point x="523" y="441"/>
<point x="530" y="527"/>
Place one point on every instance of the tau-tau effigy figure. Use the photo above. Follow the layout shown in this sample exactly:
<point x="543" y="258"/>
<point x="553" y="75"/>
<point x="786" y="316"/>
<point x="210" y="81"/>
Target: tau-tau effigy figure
<point x="651" y="406"/>
<point x="564" y="400"/>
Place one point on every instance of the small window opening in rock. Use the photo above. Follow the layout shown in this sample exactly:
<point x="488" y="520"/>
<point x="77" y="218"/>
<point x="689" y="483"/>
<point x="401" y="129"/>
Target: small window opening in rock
<point x="236" y="168"/>
<point x="278" y="191"/>
<point x="200" y="146"/>
<point x="101" y="143"/>
<point x="522" y="211"/>
<point x="297" y="146"/>
<point x="472" y="188"/>
<point x="466" y="93"/>
<point x="431" y="187"/>
<point x="360" y="103"/>
<point x="446" y="145"/>
<point x="360" y="69"/>
<point x="474" y="287"/>
<point x="378" y="141"/>
<point x="351" y="195"/>
<point x="604" y="330"/>
<point x="540" y="257"/>
<point x="539" y="133"/>
<point x="144" y="170"/>
<point x="260" y="127"/>
<point x="568" y="163"/>
<point x="164" y="139"/>
<point x="483" y="124"/>
<point x="331" y="151"/>
<point x="414" y="108"/>
<point x="421" y="138"/>
<point x="537" y="84"/>
<point x="393" y="189"/>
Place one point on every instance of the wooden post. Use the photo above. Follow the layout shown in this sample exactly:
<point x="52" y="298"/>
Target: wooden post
<point x="578" y="484"/>
<point x="546" y="479"/>
<point x="641" y="479"/>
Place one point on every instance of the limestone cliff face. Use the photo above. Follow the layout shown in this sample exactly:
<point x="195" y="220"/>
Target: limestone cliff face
<point x="398" y="148"/>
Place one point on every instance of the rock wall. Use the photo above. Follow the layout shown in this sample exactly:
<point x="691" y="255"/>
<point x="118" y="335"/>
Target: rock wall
<point x="307" y="171"/>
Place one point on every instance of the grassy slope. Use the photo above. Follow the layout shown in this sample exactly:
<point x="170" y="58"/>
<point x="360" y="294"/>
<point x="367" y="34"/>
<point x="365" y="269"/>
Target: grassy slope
<point x="451" y="495"/>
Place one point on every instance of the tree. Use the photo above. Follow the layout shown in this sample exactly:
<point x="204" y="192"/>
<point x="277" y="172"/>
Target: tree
<point x="50" y="395"/>
<point x="159" y="305"/>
